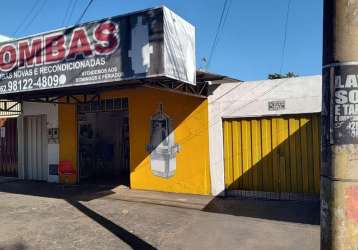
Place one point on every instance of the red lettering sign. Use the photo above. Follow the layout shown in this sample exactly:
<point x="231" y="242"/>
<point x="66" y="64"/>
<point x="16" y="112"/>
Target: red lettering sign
<point x="54" y="48"/>
<point x="106" y="34"/>
<point x="79" y="44"/>
<point x="7" y="57"/>
<point x="27" y="54"/>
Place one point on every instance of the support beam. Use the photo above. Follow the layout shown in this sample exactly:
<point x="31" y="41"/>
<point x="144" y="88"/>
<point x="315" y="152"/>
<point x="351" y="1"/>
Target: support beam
<point x="14" y="107"/>
<point x="339" y="168"/>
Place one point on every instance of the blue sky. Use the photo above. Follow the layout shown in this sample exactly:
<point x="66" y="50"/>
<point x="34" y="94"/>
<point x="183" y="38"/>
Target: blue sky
<point x="250" y="46"/>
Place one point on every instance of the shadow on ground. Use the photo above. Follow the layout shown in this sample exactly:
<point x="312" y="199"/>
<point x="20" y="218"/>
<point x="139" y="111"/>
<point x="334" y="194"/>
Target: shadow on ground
<point x="129" y="238"/>
<point x="85" y="192"/>
<point x="306" y="212"/>
<point x="73" y="195"/>
<point x="14" y="246"/>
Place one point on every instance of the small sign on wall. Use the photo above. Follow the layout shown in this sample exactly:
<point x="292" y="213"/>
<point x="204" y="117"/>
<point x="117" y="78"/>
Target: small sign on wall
<point x="53" y="169"/>
<point x="2" y="132"/>
<point x="276" y="105"/>
<point x="52" y="135"/>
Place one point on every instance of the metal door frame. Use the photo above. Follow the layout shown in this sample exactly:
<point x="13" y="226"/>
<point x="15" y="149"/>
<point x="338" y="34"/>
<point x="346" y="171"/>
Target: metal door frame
<point x="124" y="108"/>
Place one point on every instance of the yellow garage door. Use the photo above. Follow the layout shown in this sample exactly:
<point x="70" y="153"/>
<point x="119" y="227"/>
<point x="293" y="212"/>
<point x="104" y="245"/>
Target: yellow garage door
<point x="273" y="154"/>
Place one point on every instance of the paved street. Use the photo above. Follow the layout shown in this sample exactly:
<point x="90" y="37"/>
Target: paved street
<point x="46" y="216"/>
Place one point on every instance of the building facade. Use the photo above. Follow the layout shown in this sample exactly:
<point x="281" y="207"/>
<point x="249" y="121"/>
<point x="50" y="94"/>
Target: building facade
<point x="122" y="129"/>
<point x="119" y="101"/>
<point x="264" y="137"/>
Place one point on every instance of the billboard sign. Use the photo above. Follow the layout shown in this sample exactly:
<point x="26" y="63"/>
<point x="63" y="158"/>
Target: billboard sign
<point x="146" y="44"/>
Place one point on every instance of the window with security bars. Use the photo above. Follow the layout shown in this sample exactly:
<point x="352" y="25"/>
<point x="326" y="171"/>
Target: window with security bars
<point x="107" y="105"/>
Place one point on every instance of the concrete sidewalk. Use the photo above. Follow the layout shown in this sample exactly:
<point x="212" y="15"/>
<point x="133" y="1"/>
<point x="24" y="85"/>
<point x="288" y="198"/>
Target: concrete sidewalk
<point x="198" y="202"/>
<point x="46" y="216"/>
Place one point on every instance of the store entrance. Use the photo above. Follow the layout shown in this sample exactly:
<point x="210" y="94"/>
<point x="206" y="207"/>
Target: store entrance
<point x="103" y="138"/>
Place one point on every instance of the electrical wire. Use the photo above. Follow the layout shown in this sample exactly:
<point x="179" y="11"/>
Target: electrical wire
<point x="285" y="35"/>
<point x="222" y="21"/>
<point x="18" y="28"/>
<point x="38" y="11"/>
<point x="84" y="12"/>
<point x="217" y="34"/>
<point x="71" y="12"/>
<point x="226" y="15"/>
<point x="70" y="2"/>
<point x="232" y="109"/>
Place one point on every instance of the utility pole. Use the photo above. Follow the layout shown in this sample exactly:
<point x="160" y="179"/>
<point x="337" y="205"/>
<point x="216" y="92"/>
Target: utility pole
<point x="339" y="169"/>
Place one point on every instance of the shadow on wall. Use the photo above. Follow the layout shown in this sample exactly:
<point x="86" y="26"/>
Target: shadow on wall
<point x="149" y="130"/>
<point x="280" y="155"/>
<point x="275" y="157"/>
<point x="169" y="142"/>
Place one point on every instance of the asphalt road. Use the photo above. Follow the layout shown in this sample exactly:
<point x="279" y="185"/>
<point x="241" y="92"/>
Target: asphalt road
<point x="46" y="216"/>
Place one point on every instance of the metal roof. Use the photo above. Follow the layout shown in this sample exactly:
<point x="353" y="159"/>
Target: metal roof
<point x="165" y="83"/>
<point x="4" y="38"/>
<point x="204" y="76"/>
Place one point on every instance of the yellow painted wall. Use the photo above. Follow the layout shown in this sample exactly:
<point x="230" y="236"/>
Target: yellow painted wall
<point x="190" y="123"/>
<point x="68" y="138"/>
<point x="273" y="154"/>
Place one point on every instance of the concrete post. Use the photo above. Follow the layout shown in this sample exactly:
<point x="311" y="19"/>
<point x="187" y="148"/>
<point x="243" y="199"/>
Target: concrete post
<point x="339" y="170"/>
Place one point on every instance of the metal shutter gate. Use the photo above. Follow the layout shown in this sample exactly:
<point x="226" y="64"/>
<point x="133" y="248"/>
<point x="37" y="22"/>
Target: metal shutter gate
<point x="8" y="147"/>
<point x="35" y="148"/>
<point x="273" y="154"/>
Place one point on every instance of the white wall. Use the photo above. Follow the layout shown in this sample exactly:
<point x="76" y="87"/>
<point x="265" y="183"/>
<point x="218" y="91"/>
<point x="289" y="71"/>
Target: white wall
<point x="4" y="38"/>
<point x="250" y="99"/>
<point x="51" y="112"/>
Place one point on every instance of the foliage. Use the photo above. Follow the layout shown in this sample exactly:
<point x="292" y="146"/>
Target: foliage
<point x="280" y="76"/>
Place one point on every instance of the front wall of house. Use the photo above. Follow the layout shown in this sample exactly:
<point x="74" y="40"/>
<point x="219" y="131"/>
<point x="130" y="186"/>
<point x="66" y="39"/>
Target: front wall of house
<point x="189" y="117"/>
<point x="42" y="145"/>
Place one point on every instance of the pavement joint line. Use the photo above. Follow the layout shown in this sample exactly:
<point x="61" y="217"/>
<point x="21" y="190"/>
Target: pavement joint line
<point x="165" y="200"/>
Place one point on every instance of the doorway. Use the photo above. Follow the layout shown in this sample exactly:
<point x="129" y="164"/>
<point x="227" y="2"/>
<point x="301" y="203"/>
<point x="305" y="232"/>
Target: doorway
<point x="103" y="138"/>
<point x="8" y="147"/>
<point x="35" y="148"/>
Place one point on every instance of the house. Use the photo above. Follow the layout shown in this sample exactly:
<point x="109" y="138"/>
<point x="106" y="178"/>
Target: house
<point x="120" y="101"/>
<point x="265" y="137"/>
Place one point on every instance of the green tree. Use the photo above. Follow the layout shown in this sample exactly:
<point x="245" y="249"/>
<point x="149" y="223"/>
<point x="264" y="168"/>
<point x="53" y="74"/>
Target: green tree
<point x="280" y="76"/>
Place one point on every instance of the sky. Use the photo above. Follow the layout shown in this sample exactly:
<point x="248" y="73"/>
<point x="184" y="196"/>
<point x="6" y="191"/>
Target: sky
<point x="250" y="45"/>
